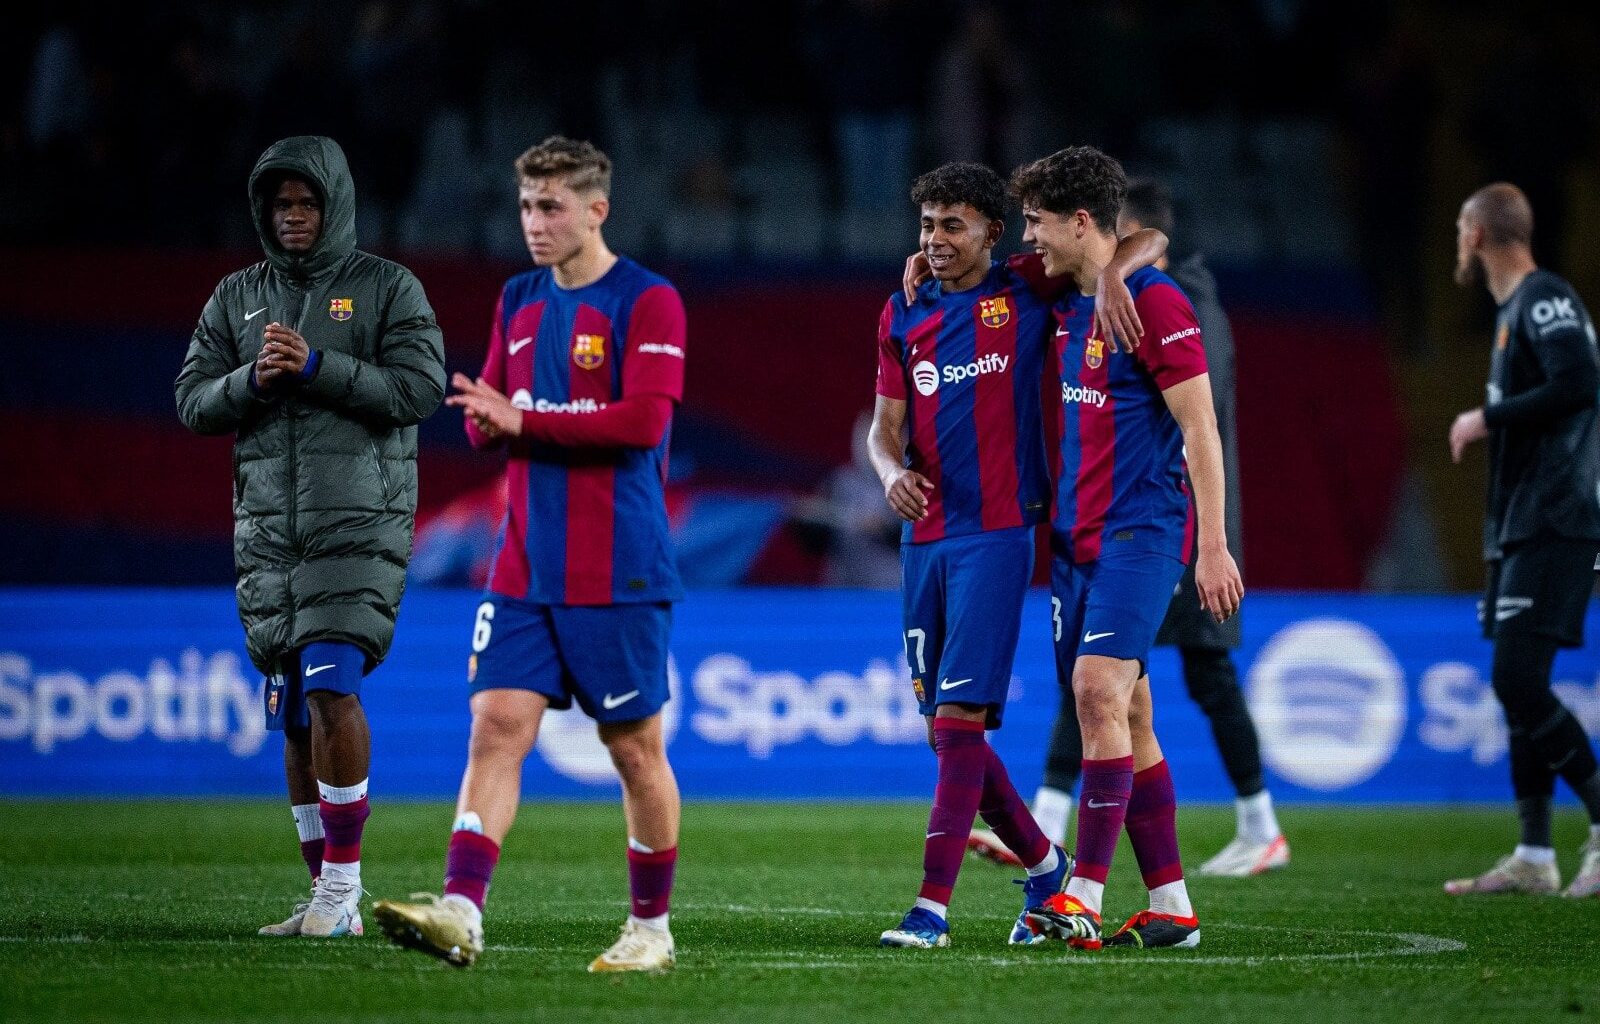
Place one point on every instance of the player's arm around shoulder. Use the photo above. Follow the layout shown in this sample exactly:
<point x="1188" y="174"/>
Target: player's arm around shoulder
<point x="213" y="389"/>
<point x="1116" y="313"/>
<point x="406" y="382"/>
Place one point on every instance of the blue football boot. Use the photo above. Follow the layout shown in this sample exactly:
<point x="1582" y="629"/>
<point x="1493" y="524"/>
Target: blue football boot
<point x="1035" y="890"/>
<point x="919" y="929"/>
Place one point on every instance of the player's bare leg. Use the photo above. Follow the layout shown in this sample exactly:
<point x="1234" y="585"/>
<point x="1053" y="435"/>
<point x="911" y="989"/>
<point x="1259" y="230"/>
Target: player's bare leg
<point x="1141" y="726"/>
<point x="341" y="743"/>
<point x="304" y="805"/>
<point x="1104" y="688"/>
<point x="650" y="802"/>
<point x="652" y="810"/>
<point x="505" y="724"/>
<point x="1153" y="831"/>
<point x="341" y="752"/>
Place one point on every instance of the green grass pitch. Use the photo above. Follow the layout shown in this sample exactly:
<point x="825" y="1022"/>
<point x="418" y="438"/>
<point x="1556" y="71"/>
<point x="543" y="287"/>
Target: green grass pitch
<point x="147" y="910"/>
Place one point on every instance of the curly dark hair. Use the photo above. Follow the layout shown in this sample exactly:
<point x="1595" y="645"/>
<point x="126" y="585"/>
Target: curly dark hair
<point x="1073" y="179"/>
<point x="953" y="184"/>
<point x="582" y="165"/>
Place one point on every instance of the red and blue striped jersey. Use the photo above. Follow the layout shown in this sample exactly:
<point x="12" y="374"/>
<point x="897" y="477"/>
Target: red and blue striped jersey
<point x="586" y="526"/>
<point x="1120" y="466"/>
<point x="970" y="366"/>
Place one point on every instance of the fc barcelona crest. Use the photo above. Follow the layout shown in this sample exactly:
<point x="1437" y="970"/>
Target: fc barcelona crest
<point x="589" y="350"/>
<point x="342" y="309"/>
<point x="917" y="688"/>
<point x="1094" y="353"/>
<point x="994" y="312"/>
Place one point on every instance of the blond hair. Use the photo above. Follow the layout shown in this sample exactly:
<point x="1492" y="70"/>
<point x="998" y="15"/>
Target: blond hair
<point x="580" y="164"/>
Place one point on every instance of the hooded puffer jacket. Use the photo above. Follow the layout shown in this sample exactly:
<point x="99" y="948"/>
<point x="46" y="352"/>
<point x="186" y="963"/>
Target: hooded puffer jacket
<point x="325" y="470"/>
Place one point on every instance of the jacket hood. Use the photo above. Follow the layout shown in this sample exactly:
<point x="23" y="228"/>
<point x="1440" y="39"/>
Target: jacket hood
<point x="1196" y="280"/>
<point x="320" y="161"/>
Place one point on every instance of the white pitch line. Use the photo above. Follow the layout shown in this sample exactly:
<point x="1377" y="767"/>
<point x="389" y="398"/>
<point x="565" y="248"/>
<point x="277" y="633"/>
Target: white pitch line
<point x="1411" y="944"/>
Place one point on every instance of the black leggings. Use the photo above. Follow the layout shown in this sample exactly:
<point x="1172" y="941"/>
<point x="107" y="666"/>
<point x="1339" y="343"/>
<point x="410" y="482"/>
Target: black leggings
<point x="1213" y="684"/>
<point x="1546" y="740"/>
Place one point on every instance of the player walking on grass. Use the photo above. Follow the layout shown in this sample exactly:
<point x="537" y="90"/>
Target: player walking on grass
<point x="1122" y="530"/>
<point x="324" y="409"/>
<point x="961" y="366"/>
<point x="585" y="365"/>
<point x="1541" y="527"/>
<point x="1203" y="644"/>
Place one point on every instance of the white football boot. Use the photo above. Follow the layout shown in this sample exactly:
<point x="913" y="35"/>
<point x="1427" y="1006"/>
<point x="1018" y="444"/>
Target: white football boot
<point x="289" y="927"/>
<point x="1587" y="881"/>
<point x="1243" y="858"/>
<point x="640" y="948"/>
<point x="985" y="845"/>
<point x="335" y="909"/>
<point x="1512" y="874"/>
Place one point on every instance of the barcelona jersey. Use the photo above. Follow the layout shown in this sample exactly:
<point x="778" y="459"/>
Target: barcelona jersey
<point x="969" y="365"/>
<point x="586" y="526"/>
<point x="1120" y="463"/>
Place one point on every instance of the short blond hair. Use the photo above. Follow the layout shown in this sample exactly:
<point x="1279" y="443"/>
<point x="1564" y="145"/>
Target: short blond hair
<point x="580" y="164"/>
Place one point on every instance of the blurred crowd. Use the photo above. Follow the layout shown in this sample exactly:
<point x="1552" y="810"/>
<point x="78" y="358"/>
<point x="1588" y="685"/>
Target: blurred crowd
<point x="787" y="128"/>
<point x="760" y="138"/>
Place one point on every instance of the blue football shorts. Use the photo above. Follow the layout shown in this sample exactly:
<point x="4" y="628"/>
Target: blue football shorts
<point x="1112" y="606"/>
<point x="611" y="658"/>
<point x="333" y="666"/>
<point x="963" y="611"/>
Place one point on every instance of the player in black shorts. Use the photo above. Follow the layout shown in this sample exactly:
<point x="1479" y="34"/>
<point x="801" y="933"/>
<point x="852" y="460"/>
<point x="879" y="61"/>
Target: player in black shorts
<point x="1541" y="528"/>
<point x="1204" y="645"/>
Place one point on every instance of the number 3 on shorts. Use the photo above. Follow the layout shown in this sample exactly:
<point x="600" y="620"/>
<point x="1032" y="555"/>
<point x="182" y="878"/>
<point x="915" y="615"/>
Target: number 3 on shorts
<point x="482" y="627"/>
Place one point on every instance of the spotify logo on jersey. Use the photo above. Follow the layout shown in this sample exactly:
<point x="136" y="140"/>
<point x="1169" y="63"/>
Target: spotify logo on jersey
<point x="925" y="376"/>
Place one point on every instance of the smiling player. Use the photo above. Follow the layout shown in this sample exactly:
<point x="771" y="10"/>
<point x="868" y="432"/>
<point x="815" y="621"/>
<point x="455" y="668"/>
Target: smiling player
<point x="960" y="368"/>
<point x="1121" y="534"/>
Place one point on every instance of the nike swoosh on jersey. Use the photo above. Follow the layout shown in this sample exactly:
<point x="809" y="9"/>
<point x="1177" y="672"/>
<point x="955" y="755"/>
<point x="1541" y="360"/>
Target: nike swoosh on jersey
<point x="313" y="671"/>
<point x="948" y="685"/>
<point x="252" y="316"/>
<point x="612" y="702"/>
<point x="1108" y="803"/>
<point x="1090" y="638"/>
<point x="520" y="344"/>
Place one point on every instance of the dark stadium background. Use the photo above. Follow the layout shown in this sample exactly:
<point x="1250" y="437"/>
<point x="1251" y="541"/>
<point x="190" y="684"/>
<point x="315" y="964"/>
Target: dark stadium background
<point x="1318" y="151"/>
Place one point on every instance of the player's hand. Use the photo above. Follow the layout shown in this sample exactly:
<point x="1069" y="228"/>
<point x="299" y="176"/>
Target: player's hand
<point x="1216" y="576"/>
<point x="917" y="271"/>
<point x="1115" y="316"/>
<point x="490" y="410"/>
<point x="266" y="375"/>
<point x="907" y="492"/>
<point x="285" y="351"/>
<point x="1467" y="428"/>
